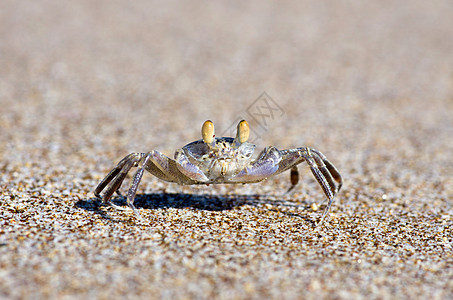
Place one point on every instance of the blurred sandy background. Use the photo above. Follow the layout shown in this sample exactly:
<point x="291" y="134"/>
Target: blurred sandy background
<point x="370" y="84"/>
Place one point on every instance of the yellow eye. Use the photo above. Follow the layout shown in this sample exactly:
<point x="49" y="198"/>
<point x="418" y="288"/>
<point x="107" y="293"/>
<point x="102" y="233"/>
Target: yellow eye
<point x="243" y="131"/>
<point x="207" y="131"/>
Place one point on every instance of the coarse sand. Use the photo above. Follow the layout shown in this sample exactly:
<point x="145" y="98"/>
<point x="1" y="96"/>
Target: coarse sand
<point x="84" y="83"/>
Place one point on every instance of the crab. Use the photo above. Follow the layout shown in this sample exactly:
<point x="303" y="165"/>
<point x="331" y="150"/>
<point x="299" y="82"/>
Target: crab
<point x="213" y="160"/>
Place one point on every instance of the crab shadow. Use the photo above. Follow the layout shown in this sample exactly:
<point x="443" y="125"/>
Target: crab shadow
<point x="198" y="201"/>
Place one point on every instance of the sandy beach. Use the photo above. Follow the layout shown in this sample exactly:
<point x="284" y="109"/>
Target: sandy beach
<point x="83" y="84"/>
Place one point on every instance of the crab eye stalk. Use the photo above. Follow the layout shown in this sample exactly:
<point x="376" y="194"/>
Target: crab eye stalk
<point x="243" y="132"/>
<point x="207" y="131"/>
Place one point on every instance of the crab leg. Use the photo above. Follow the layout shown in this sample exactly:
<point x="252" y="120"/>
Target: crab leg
<point x="114" y="179"/>
<point x="294" y="178"/>
<point x="320" y="172"/>
<point x="155" y="162"/>
<point x="323" y="170"/>
<point x="332" y="170"/>
<point x="160" y="166"/>
<point x="112" y="174"/>
<point x="136" y="181"/>
<point x="321" y="167"/>
<point x="290" y="159"/>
